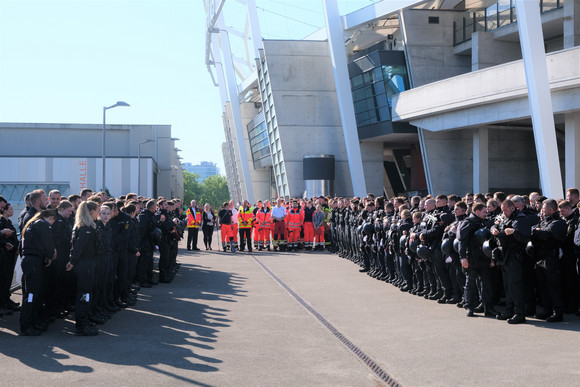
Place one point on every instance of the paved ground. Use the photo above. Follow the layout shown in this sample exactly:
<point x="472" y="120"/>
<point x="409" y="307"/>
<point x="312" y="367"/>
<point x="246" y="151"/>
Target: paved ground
<point x="225" y="321"/>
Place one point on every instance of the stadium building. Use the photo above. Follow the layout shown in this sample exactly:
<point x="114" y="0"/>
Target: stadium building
<point x="442" y="96"/>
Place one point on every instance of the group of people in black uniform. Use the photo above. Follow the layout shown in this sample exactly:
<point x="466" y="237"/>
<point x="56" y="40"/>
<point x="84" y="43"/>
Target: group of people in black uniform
<point x="88" y="254"/>
<point x="473" y="252"/>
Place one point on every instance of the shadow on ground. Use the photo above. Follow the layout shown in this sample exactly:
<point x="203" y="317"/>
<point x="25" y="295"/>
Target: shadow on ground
<point x="172" y="329"/>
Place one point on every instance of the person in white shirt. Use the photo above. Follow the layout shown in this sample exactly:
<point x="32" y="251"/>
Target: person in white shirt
<point x="278" y="216"/>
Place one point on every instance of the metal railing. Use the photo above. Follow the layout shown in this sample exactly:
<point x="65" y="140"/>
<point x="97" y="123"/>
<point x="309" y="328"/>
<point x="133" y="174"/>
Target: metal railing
<point x="501" y="14"/>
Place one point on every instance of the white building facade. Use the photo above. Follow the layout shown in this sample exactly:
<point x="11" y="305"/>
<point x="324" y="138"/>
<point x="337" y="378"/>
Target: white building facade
<point x="68" y="157"/>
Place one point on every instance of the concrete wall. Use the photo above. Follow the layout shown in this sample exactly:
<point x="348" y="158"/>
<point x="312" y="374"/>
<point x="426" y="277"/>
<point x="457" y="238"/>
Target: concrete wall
<point x="372" y="156"/>
<point x="487" y="52"/>
<point x="302" y="84"/>
<point x="449" y="156"/>
<point x="430" y="47"/>
<point x="513" y="165"/>
<point x="512" y="160"/>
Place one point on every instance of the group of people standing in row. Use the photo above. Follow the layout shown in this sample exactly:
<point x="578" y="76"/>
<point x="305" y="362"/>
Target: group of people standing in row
<point x="472" y="251"/>
<point x="469" y="251"/>
<point x="299" y="223"/>
<point x="85" y="253"/>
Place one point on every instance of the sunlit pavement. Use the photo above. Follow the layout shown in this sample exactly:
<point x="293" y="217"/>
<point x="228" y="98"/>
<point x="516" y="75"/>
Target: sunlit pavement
<point x="226" y="321"/>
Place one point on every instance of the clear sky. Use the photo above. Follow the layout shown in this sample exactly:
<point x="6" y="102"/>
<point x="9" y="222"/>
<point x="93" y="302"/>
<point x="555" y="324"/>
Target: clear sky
<point x="62" y="61"/>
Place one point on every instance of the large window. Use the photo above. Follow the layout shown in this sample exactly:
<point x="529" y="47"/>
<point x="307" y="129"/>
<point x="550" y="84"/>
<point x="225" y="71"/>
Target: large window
<point x="258" y="135"/>
<point x="372" y="93"/>
<point x="15" y="193"/>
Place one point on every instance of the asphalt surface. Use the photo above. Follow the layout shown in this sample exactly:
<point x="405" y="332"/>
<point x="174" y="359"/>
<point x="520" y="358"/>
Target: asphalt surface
<point x="226" y="321"/>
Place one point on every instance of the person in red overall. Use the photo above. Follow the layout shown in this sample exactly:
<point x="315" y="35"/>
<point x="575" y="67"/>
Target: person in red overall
<point x="318" y="219"/>
<point x="294" y="221"/>
<point x="263" y="226"/>
<point x="255" y="228"/>
<point x="225" y="225"/>
<point x="308" y="211"/>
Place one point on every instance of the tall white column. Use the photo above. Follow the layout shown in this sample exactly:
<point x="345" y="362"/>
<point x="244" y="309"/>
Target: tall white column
<point x="572" y="136"/>
<point x="228" y="65"/>
<point x="255" y="27"/>
<point x="531" y="40"/>
<point x="481" y="160"/>
<point x="345" y="103"/>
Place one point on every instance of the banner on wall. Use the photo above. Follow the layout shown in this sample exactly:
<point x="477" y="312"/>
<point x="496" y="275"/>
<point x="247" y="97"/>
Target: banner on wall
<point x="79" y="175"/>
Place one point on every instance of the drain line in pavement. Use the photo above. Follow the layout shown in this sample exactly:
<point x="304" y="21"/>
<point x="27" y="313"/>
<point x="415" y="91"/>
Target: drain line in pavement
<point x="375" y="368"/>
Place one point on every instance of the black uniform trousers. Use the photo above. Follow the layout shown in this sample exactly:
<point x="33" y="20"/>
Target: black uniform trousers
<point x="472" y="291"/>
<point x="32" y="286"/>
<point x="85" y="271"/>
<point x="7" y="264"/>
<point x="165" y="258"/>
<point x="245" y="237"/>
<point x="550" y="285"/>
<point x="442" y="272"/>
<point x="192" y="238"/>
<point x="513" y="283"/>
<point x="145" y="265"/>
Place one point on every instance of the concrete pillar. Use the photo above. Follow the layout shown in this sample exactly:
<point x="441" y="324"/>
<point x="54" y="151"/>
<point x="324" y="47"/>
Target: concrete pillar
<point x="530" y="29"/>
<point x="571" y="23"/>
<point x="572" y="143"/>
<point x="481" y="160"/>
<point x="345" y="103"/>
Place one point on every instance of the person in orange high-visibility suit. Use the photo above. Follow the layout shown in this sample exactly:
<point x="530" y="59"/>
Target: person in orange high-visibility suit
<point x="255" y="228"/>
<point x="234" y="222"/>
<point x="225" y="225"/>
<point x="245" y="216"/>
<point x="193" y="224"/>
<point x="263" y="226"/>
<point x="294" y="221"/>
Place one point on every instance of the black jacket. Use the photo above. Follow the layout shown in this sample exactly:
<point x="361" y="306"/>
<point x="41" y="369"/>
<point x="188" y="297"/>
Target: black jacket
<point x="120" y="225"/>
<point x="84" y="244"/>
<point x="468" y="246"/>
<point x="62" y="234"/>
<point x="146" y="225"/>
<point x="513" y="246"/>
<point x="37" y="240"/>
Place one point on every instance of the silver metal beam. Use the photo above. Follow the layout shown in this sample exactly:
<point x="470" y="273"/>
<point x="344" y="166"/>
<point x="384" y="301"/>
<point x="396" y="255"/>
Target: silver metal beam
<point x="531" y="40"/>
<point x="344" y="94"/>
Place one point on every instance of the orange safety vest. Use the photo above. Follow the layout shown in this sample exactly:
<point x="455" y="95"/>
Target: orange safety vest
<point x="245" y="217"/>
<point x="193" y="219"/>
<point x="263" y="218"/>
<point x="294" y="219"/>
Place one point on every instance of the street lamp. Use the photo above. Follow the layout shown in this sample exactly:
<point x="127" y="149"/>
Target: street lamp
<point x="105" y="108"/>
<point x="139" y="164"/>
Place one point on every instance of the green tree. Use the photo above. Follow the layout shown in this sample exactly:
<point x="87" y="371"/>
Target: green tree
<point x="214" y="191"/>
<point x="192" y="188"/>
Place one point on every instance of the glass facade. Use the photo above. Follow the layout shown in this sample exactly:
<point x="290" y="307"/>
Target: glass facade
<point x="259" y="143"/>
<point x="273" y="136"/>
<point x="372" y="92"/>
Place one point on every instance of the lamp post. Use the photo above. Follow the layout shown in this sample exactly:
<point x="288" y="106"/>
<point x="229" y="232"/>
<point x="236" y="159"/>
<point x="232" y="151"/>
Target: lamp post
<point x="139" y="165"/>
<point x="105" y="108"/>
